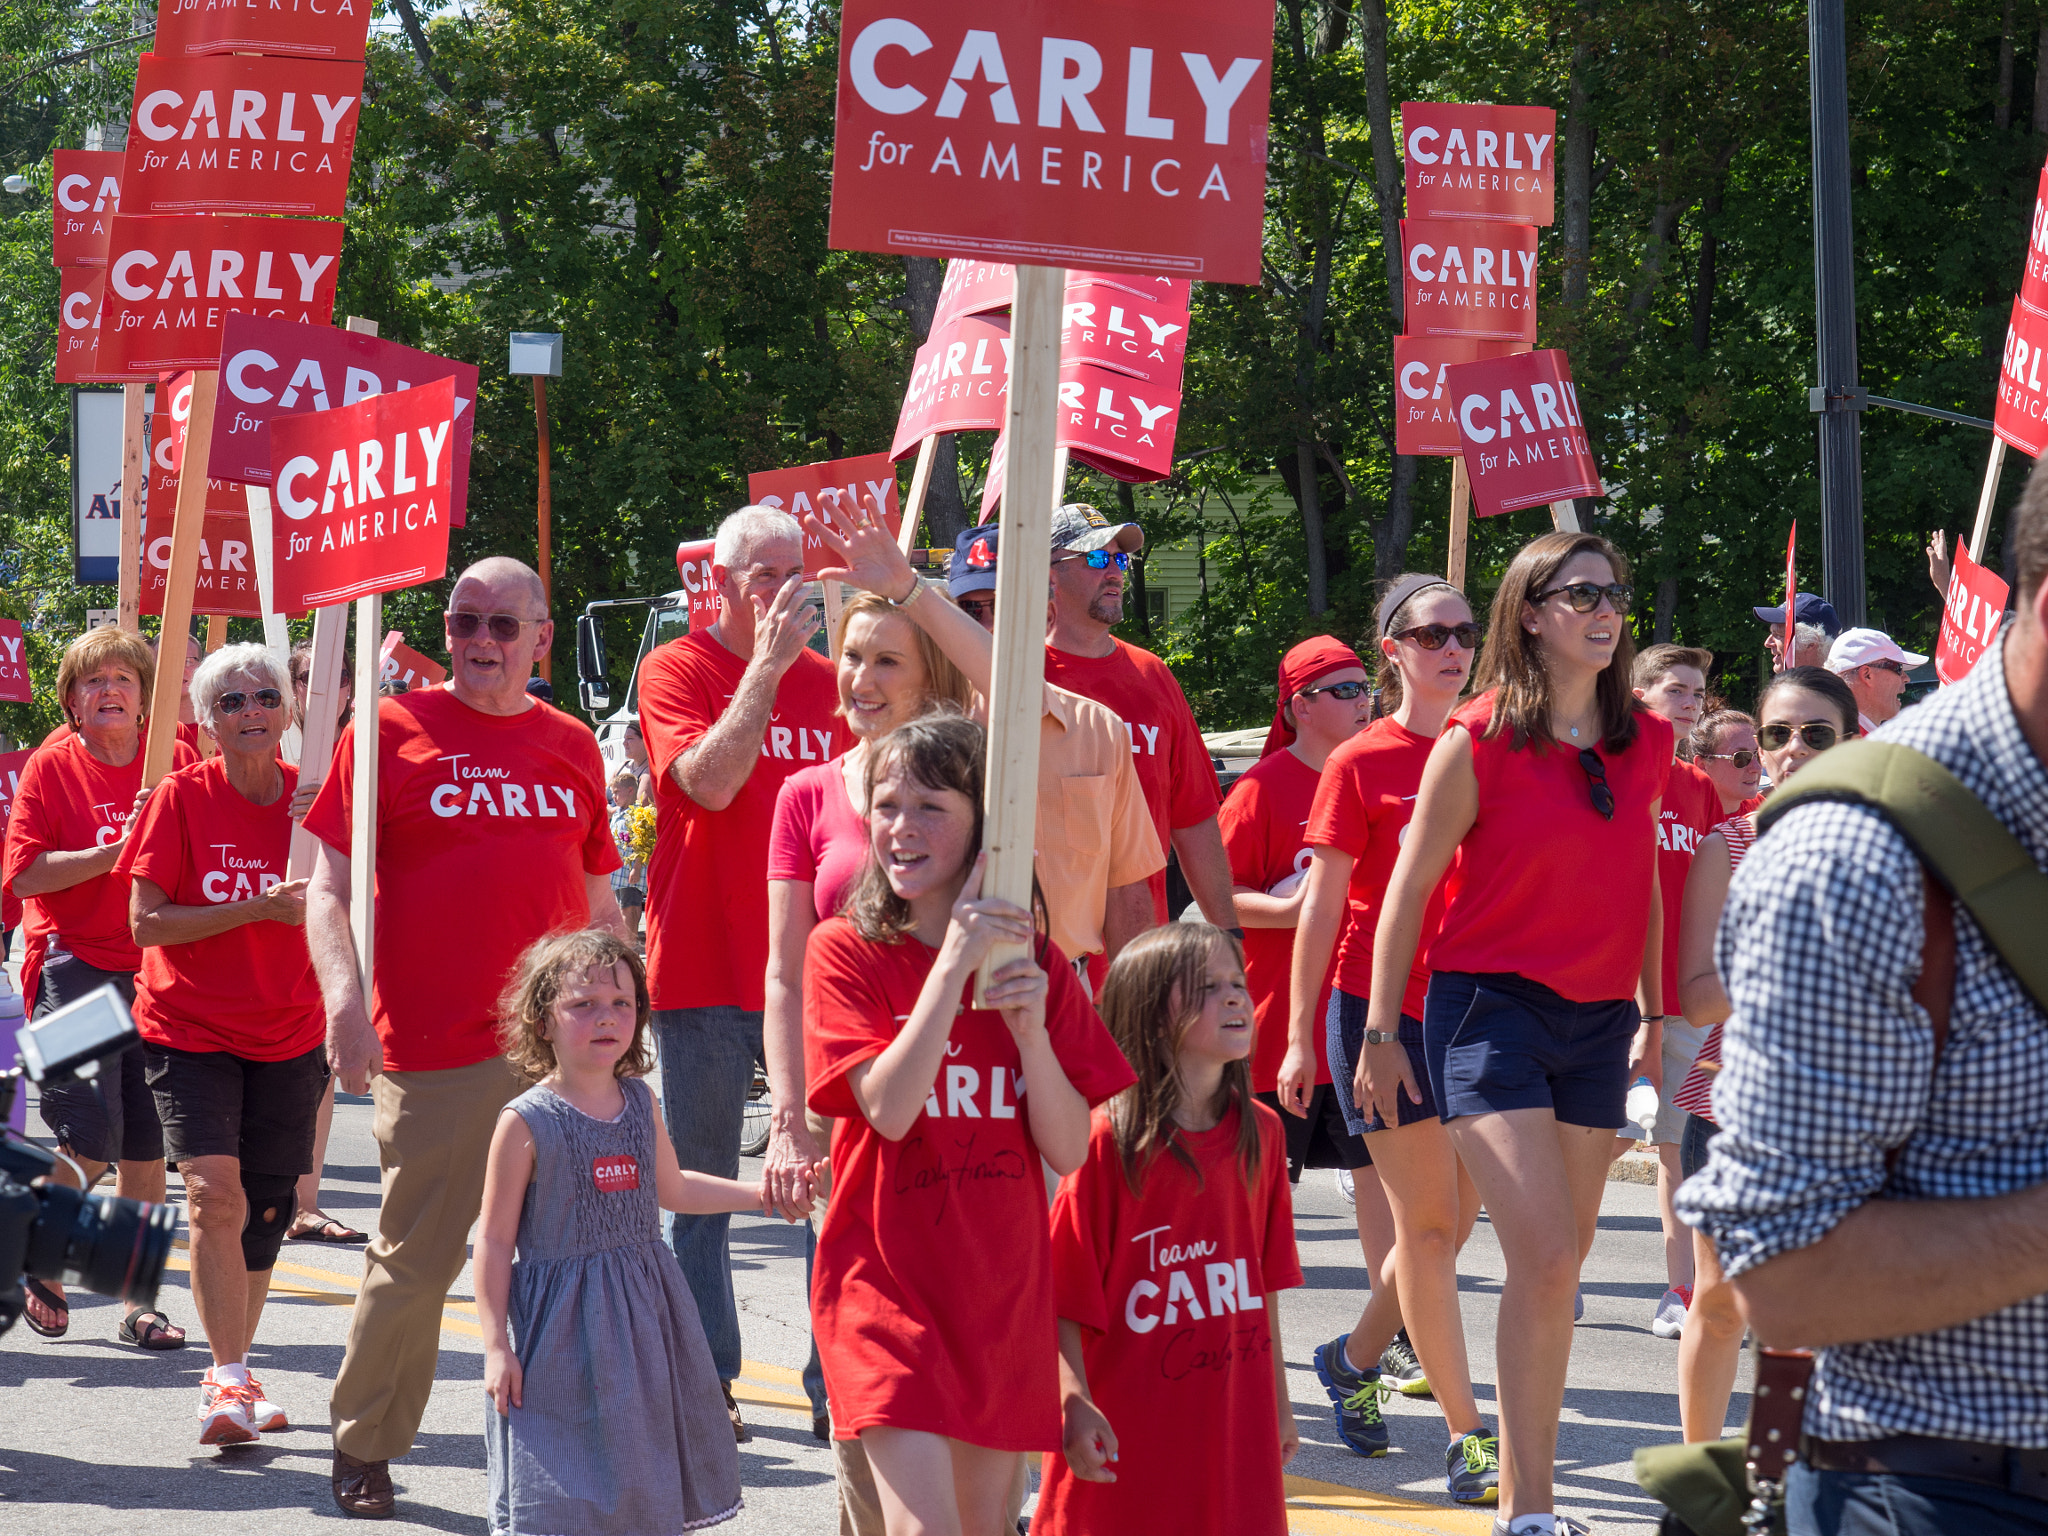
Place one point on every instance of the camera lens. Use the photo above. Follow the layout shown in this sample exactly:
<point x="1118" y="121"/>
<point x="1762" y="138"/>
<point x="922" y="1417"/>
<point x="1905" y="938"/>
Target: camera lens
<point x="110" y="1245"/>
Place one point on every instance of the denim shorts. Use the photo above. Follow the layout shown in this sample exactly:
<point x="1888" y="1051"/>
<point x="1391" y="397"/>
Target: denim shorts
<point x="1692" y="1146"/>
<point x="1345" y="1031"/>
<point x="1497" y="1041"/>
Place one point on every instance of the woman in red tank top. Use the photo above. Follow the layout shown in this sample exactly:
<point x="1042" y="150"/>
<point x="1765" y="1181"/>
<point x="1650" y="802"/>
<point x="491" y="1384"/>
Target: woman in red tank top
<point x="1540" y="1010"/>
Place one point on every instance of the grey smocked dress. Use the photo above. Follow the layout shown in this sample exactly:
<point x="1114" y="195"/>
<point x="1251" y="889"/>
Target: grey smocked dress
<point x="624" y="1430"/>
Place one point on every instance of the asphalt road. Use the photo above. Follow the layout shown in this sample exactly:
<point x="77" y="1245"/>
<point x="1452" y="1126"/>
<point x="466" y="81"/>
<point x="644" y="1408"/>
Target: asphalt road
<point x="96" y="1436"/>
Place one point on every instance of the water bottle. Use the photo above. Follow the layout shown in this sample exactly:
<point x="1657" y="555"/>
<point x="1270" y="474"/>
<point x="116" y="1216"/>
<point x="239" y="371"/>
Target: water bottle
<point x="10" y="1024"/>
<point x="1642" y="1107"/>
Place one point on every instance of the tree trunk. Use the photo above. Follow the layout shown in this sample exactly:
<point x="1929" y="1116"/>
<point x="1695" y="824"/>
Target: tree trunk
<point x="945" y="509"/>
<point x="1667" y="608"/>
<point x="1575" y="216"/>
<point x="2041" y="79"/>
<point x="2002" y="112"/>
<point x="1391" y="532"/>
<point x="1703" y="290"/>
<point x="1127" y="509"/>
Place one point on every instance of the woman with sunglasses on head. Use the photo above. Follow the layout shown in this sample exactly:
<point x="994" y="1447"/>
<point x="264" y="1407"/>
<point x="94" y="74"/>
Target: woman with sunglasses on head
<point x="1723" y="747"/>
<point x="1804" y="711"/>
<point x="1541" y="1008"/>
<point x="1356" y="826"/>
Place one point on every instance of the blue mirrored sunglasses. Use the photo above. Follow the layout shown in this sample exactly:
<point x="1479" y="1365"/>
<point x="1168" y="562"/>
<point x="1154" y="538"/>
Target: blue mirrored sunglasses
<point x="1100" y="559"/>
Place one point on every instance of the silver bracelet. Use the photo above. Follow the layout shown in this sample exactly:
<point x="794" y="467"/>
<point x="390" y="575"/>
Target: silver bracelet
<point x="916" y="590"/>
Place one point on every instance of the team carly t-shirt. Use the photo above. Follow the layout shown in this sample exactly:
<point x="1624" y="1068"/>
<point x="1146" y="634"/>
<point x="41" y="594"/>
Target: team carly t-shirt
<point x="817" y="837"/>
<point x="1166" y="745"/>
<point x="932" y="1291"/>
<point x="707" y="903"/>
<point x="69" y="800"/>
<point x="1169" y="1287"/>
<point x="486" y="827"/>
<point x="1263" y="820"/>
<point x="249" y="991"/>
<point x="1691" y="809"/>
<point x="1537" y="835"/>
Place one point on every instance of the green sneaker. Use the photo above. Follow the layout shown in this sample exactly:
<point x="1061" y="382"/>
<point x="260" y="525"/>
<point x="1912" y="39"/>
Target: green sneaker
<point x="1356" y="1395"/>
<point x="1401" y="1369"/>
<point x="1472" y="1469"/>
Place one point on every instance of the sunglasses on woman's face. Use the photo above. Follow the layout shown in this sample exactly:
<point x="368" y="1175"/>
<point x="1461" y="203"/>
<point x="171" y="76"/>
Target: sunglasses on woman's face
<point x="1775" y="738"/>
<point x="1740" y="759"/>
<point x="1596" y="782"/>
<point x="1432" y="637"/>
<point x="1100" y="559"/>
<point x="1585" y="595"/>
<point x="1350" y="690"/>
<point x="235" y="703"/>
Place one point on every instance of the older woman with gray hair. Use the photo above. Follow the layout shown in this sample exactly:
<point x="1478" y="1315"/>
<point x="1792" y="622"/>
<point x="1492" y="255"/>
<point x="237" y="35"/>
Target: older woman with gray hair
<point x="229" y="1011"/>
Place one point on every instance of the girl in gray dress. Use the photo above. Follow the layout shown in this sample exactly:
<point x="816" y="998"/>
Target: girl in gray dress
<point x="606" y="1417"/>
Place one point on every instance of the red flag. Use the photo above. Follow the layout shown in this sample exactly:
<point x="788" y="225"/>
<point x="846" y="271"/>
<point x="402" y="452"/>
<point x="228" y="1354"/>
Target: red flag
<point x="1791" y="589"/>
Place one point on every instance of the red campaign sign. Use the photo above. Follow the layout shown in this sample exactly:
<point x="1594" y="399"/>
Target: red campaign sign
<point x="402" y="664"/>
<point x="14" y="684"/>
<point x="241" y="135"/>
<point x="173" y="281"/>
<point x="2021" y="416"/>
<point x="167" y="427"/>
<point x="227" y="564"/>
<point x="1480" y="162"/>
<point x="2034" y="285"/>
<point x="1466" y="277"/>
<point x="300" y="29"/>
<point x="1117" y="424"/>
<point x="1969" y="619"/>
<point x="361" y="496"/>
<point x="973" y="288"/>
<point x="273" y="368"/>
<point x="1058" y="132"/>
<point x="693" y="566"/>
<point x="11" y="765"/>
<point x="1425" y="417"/>
<point x="1524" y="442"/>
<point x="960" y="382"/>
<point x="78" y="329"/>
<point x="85" y="194"/>
<point x="820" y="489"/>
<point x="1110" y="325"/>
<point x="992" y="482"/>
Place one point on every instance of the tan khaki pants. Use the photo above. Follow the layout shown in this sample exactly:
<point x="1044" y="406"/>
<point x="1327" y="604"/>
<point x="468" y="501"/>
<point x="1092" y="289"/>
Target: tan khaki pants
<point x="433" y="1134"/>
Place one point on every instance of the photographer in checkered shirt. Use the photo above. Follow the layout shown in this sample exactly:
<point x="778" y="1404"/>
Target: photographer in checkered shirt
<point x="1872" y="1196"/>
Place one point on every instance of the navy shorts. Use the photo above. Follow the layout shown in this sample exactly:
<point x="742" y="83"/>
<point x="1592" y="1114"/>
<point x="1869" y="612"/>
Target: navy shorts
<point x="1497" y="1041"/>
<point x="1345" y="1033"/>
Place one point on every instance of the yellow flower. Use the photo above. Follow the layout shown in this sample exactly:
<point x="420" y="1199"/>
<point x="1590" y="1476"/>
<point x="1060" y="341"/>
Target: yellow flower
<point x="641" y="838"/>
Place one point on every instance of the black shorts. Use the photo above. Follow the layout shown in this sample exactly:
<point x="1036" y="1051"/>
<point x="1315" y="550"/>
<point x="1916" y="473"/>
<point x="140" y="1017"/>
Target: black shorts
<point x="216" y="1104"/>
<point x="111" y="1119"/>
<point x="1345" y="1032"/>
<point x="1320" y="1140"/>
<point x="1692" y="1145"/>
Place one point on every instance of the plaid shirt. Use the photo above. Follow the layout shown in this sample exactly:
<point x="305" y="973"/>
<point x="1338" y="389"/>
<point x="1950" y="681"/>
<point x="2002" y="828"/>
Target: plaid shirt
<point x="1829" y="1063"/>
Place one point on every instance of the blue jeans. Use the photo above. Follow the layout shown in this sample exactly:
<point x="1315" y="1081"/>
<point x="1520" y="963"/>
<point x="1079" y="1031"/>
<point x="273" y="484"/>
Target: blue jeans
<point x="1863" y="1504"/>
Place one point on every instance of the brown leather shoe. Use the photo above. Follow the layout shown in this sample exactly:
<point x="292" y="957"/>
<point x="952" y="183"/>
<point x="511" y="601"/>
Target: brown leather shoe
<point x="740" y="1432"/>
<point x="362" y="1487"/>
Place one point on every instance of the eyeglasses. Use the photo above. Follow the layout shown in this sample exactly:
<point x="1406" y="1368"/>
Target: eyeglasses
<point x="1888" y="666"/>
<point x="1350" y="690"/>
<point x="1596" y="782"/>
<point x="1774" y="738"/>
<point x="503" y="626"/>
<point x="1585" y="595"/>
<point x="1431" y="637"/>
<point x="1740" y="759"/>
<point x="977" y="606"/>
<point x="235" y="703"/>
<point x="1100" y="559"/>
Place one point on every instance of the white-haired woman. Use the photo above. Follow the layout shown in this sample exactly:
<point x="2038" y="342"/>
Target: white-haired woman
<point x="229" y="1011"/>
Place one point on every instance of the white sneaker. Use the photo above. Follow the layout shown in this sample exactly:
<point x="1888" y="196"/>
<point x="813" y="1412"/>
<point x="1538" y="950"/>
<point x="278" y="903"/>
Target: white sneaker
<point x="1669" y="1322"/>
<point x="268" y="1417"/>
<point x="1347" y="1186"/>
<point x="226" y="1414"/>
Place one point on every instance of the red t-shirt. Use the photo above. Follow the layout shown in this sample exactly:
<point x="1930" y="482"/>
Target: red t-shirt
<point x="1362" y="808"/>
<point x="1173" y="766"/>
<point x="67" y="800"/>
<point x="817" y="836"/>
<point x="486" y="827"/>
<point x="931" y="1296"/>
<point x="1169" y="1288"/>
<point x="1691" y="809"/>
<point x="707" y="899"/>
<point x="249" y="991"/>
<point x="1543" y="885"/>
<point x="1262" y="821"/>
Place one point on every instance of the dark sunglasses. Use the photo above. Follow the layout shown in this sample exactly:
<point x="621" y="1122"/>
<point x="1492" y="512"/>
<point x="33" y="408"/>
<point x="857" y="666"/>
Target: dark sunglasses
<point x="1585" y="595"/>
<point x="1100" y="559"/>
<point x="1596" y="782"/>
<point x="504" y="627"/>
<point x="235" y="703"/>
<point x="1775" y="738"/>
<point x="1887" y="666"/>
<point x="1431" y="637"/>
<point x="1740" y="759"/>
<point x="1349" y="690"/>
<point x="978" y="604"/>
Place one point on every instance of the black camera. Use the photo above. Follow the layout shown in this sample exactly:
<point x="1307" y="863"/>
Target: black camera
<point x="109" y="1245"/>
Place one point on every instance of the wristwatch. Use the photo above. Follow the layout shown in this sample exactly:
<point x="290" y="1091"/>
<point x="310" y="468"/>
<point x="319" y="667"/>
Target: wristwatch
<point x="1381" y="1037"/>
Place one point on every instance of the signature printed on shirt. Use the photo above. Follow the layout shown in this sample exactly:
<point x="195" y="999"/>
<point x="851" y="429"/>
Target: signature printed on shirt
<point x="919" y="1173"/>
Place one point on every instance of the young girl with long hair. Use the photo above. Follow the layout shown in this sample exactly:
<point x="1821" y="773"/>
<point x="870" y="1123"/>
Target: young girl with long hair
<point x="606" y="1413"/>
<point x="1356" y="827"/>
<point x="932" y="1298"/>
<point x="1169" y="1243"/>
<point x="1545" y="989"/>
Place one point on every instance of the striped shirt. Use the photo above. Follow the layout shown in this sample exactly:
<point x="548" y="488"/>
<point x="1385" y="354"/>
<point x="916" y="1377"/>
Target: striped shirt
<point x="1737" y="832"/>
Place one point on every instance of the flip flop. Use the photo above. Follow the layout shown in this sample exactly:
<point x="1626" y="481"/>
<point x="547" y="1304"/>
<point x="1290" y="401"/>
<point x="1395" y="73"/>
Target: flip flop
<point x="150" y="1329"/>
<point x="323" y="1228"/>
<point x="51" y="1300"/>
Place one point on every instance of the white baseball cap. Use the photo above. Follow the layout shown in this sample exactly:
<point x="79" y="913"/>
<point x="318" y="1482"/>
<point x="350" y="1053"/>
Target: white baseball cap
<point x="1855" y="648"/>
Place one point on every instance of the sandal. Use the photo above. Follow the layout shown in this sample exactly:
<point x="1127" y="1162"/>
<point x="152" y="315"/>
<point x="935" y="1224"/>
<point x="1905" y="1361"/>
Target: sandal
<point x="51" y="1302"/>
<point x="150" y="1329"/>
<point x="319" y="1227"/>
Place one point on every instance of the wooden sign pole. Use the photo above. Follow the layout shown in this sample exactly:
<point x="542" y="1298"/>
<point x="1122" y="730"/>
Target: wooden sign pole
<point x="188" y="521"/>
<point x="1986" y="497"/>
<point x="323" y="708"/>
<point x="1017" y="684"/>
<point x="920" y="483"/>
<point x="134" y="496"/>
<point x="1461" y="522"/>
<point x="1564" y="516"/>
<point x="276" y="634"/>
<point x="362" y="843"/>
<point x="834" y="603"/>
